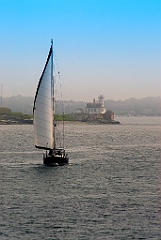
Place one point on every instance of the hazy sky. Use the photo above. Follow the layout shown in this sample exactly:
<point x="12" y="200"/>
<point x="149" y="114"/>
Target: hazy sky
<point x="109" y="47"/>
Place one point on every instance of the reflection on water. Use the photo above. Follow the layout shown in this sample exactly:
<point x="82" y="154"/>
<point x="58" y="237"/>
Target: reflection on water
<point x="110" y="189"/>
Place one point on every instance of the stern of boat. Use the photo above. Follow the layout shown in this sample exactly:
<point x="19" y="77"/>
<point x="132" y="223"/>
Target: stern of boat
<point x="56" y="157"/>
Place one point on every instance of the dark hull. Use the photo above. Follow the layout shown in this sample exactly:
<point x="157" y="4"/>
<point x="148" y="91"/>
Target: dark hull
<point x="55" y="160"/>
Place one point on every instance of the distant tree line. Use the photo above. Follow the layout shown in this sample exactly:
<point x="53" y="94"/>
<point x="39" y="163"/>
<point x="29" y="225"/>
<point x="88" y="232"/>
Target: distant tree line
<point x="7" y="114"/>
<point x="64" y="117"/>
<point x="149" y="106"/>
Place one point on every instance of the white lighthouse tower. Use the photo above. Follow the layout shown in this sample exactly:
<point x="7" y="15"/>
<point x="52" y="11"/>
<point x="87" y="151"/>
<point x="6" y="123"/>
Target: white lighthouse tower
<point x="101" y="100"/>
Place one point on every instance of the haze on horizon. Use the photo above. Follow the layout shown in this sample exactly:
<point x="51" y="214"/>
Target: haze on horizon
<point x="102" y="47"/>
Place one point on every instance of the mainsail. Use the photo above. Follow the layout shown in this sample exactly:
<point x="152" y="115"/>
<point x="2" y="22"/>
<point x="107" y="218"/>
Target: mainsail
<point x="43" y="107"/>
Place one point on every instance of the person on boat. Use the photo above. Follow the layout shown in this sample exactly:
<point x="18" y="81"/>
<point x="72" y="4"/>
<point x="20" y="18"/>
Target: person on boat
<point x="59" y="153"/>
<point x="63" y="153"/>
<point x="50" y="152"/>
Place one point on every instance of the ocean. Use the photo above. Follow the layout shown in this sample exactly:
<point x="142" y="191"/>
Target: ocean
<point x="110" y="190"/>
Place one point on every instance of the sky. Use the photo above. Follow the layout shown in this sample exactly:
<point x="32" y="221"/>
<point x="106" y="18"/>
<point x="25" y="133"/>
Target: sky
<point x="109" y="47"/>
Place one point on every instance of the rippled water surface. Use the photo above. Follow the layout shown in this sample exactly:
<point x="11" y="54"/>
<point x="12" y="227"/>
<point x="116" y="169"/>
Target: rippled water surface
<point x="110" y="189"/>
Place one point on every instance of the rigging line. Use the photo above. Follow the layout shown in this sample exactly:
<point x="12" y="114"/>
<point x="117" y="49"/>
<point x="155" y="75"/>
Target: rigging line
<point x="56" y="62"/>
<point x="61" y="106"/>
<point x="56" y="67"/>
<point x="59" y="137"/>
<point x="63" y="109"/>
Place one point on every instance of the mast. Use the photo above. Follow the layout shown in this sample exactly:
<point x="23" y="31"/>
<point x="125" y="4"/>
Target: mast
<point x="52" y="92"/>
<point x="1" y="93"/>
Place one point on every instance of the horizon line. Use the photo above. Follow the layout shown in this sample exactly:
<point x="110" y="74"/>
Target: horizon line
<point x="18" y="95"/>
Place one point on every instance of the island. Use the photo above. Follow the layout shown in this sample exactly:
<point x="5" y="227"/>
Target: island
<point x="96" y="113"/>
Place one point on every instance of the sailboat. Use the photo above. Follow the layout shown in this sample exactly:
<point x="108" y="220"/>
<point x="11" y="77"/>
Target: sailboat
<point x="43" y="117"/>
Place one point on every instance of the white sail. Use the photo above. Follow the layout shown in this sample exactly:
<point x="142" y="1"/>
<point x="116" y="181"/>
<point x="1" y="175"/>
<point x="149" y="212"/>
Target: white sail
<point x="43" y="107"/>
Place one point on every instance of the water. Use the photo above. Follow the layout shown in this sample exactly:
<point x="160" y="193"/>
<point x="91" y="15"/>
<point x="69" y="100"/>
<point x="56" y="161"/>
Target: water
<point x="110" y="189"/>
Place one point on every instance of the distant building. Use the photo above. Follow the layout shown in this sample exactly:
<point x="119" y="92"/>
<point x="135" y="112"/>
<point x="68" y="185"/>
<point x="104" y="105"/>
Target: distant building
<point x="108" y="115"/>
<point x="95" y="111"/>
<point x="97" y="107"/>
